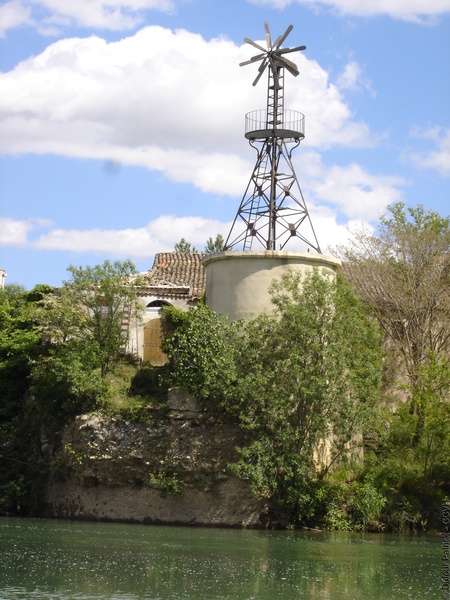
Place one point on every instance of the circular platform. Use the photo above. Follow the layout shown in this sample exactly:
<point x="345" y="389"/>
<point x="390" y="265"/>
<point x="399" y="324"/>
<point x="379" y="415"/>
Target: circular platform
<point x="288" y="125"/>
<point x="284" y="134"/>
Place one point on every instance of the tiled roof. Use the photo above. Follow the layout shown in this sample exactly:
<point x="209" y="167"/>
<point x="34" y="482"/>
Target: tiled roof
<point x="173" y="271"/>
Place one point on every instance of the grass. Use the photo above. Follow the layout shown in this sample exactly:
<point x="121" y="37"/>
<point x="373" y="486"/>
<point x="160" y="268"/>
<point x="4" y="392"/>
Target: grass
<point x="134" y="394"/>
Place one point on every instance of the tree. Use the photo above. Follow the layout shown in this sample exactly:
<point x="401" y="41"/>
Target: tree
<point x="306" y="374"/>
<point x="201" y="352"/>
<point x="20" y="343"/>
<point x="211" y="245"/>
<point x="214" y="245"/>
<point x="20" y="346"/>
<point x="433" y="446"/>
<point x="185" y="247"/>
<point x="404" y="274"/>
<point x="88" y="313"/>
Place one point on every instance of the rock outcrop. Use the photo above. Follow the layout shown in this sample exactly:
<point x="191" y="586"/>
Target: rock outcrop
<point x="174" y="471"/>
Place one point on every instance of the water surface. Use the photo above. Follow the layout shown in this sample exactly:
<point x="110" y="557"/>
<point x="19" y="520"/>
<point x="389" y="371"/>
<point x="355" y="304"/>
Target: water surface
<point x="64" y="560"/>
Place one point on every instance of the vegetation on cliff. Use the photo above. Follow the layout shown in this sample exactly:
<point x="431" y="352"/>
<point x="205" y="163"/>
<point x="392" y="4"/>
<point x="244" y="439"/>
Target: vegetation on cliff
<point x="60" y="355"/>
<point x="302" y="389"/>
<point x="402" y="275"/>
<point x="339" y="429"/>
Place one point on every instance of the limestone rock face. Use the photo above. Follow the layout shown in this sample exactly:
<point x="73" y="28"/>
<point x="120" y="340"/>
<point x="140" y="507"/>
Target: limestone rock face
<point x="173" y="472"/>
<point x="180" y="400"/>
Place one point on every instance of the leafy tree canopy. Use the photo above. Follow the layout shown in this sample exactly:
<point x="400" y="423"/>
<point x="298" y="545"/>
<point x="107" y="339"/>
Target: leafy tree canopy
<point x="201" y="352"/>
<point x="404" y="274"/>
<point x="214" y="245"/>
<point x="309" y="372"/>
<point x="20" y="347"/>
<point x="185" y="247"/>
<point x="88" y="312"/>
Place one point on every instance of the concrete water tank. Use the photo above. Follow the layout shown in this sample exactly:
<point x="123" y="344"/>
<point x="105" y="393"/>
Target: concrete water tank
<point x="238" y="282"/>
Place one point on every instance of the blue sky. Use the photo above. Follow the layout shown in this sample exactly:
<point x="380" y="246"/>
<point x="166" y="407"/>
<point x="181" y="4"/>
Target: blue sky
<point x="122" y="121"/>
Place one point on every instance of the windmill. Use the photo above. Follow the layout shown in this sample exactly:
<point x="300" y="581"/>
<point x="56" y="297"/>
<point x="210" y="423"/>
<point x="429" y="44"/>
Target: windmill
<point x="273" y="210"/>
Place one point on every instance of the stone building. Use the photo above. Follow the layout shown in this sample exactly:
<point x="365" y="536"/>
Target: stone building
<point x="175" y="279"/>
<point x="179" y="279"/>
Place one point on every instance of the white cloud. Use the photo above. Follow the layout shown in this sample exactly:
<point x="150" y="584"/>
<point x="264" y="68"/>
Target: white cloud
<point x="155" y="99"/>
<point x="329" y="232"/>
<point x="353" y="192"/>
<point x="437" y="159"/>
<point x="357" y="193"/>
<point x="353" y="79"/>
<point x="14" y="232"/>
<point x="420" y="11"/>
<point x="159" y="235"/>
<point x="51" y="16"/>
<point x="13" y="14"/>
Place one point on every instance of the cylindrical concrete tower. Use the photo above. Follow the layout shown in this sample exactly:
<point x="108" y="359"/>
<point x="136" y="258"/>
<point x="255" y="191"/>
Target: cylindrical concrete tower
<point x="237" y="283"/>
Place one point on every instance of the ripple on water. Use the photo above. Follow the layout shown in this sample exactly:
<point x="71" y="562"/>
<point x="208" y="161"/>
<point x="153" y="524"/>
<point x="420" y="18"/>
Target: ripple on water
<point x="58" y="560"/>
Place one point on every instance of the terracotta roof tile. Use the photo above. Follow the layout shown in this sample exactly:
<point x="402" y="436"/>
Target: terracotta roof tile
<point x="177" y="270"/>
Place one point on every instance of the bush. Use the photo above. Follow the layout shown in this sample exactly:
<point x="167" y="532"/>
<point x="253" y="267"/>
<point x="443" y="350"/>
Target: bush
<point x="366" y="505"/>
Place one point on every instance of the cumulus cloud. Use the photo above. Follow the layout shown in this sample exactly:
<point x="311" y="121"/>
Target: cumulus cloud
<point x="160" y="235"/>
<point x="330" y="232"/>
<point x="357" y="193"/>
<point x="352" y="191"/>
<point x="352" y="78"/>
<point x="14" y="14"/>
<point x="15" y="232"/>
<point x="437" y="159"/>
<point x="419" y="11"/>
<point x="49" y="17"/>
<point x="154" y="99"/>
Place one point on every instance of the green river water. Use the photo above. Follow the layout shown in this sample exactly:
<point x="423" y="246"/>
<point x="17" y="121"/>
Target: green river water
<point x="63" y="560"/>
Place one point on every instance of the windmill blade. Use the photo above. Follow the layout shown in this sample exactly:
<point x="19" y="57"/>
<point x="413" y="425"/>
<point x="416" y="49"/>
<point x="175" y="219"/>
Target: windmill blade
<point x="288" y="62"/>
<point x="280" y="39"/>
<point x="268" y="37"/>
<point x="252" y="60"/>
<point x="292" y="71"/>
<point x="255" y="45"/>
<point x="286" y="50"/>
<point x="277" y="42"/>
<point x="289" y="65"/>
<point x="261" y="70"/>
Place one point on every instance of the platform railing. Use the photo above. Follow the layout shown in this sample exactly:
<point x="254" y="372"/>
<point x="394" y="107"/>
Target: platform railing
<point x="258" y="125"/>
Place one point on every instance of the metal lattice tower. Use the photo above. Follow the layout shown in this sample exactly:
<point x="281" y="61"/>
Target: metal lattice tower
<point x="273" y="209"/>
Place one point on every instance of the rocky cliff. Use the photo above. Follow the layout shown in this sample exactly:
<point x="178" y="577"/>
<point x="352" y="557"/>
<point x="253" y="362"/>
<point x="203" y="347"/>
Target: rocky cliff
<point x="174" y="471"/>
